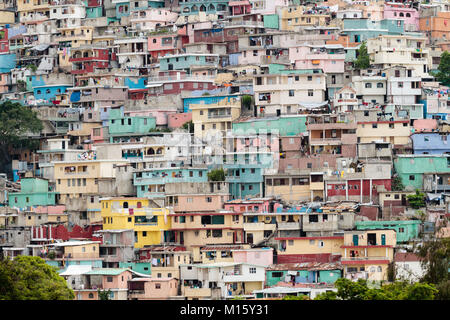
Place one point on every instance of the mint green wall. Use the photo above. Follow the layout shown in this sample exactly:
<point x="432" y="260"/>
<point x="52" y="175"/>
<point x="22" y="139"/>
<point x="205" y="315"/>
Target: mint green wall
<point x="416" y="166"/>
<point x="410" y="228"/>
<point x="34" y="192"/>
<point x="141" y="267"/>
<point x="329" y="276"/>
<point x="285" y="126"/>
<point x="271" y="21"/>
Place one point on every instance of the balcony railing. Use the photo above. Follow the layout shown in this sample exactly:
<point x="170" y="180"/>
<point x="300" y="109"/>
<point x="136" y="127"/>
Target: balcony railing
<point x="364" y="258"/>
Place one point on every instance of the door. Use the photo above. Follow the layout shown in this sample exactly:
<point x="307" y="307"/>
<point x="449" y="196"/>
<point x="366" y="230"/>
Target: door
<point x="355" y="239"/>
<point x="383" y="239"/>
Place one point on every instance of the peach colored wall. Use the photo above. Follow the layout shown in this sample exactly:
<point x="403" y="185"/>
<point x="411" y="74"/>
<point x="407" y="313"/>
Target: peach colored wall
<point x="199" y="203"/>
<point x="178" y="119"/>
<point x="119" y="282"/>
<point x="168" y="288"/>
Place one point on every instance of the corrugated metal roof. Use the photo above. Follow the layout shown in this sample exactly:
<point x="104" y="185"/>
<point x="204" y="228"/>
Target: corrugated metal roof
<point x="305" y="266"/>
<point x="107" y="271"/>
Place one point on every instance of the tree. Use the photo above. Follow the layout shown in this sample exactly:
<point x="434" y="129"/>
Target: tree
<point x="188" y="126"/>
<point x="397" y="184"/>
<point x="16" y="122"/>
<point x="362" y="61"/>
<point x="416" y="201"/>
<point x="104" y="294"/>
<point x="30" y="278"/>
<point x="399" y="290"/>
<point x="216" y="175"/>
<point x="435" y="255"/>
<point x="247" y="101"/>
<point x="443" y="73"/>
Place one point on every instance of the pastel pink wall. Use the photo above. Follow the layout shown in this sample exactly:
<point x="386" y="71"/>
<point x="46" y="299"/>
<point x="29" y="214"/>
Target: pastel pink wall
<point x="389" y="13"/>
<point x="178" y="119"/>
<point x="303" y="58"/>
<point x="236" y="207"/>
<point x="260" y="257"/>
<point x="50" y="209"/>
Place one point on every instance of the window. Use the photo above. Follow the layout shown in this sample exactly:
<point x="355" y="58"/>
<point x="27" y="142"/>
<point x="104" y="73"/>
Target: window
<point x="291" y="93"/>
<point x="290" y="242"/>
<point x="412" y="178"/>
<point x="158" y="285"/>
<point x="310" y="93"/>
<point x="368" y="85"/>
<point x="91" y="296"/>
<point x="320" y="244"/>
<point x="109" y="279"/>
<point x="400" y="84"/>
<point x="252" y="270"/>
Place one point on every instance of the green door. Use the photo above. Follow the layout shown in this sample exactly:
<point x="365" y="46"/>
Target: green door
<point x="355" y="239"/>
<point x="383" y="239"/>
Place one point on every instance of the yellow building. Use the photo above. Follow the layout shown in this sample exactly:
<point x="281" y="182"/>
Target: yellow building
<point x="149" y="224"/>
<point x="367" y="254"/>
<point x="291" y="18"/>
<point x="6" y="16"/>
<point x="33" y="10"/>
<point x="210" y="119"/>
<point x="304" y="249"/>
<point x="75" y="179"/>
<point x="199" y="229"/>
<point x="78" y="36"/>
<point x="394" y="132"/>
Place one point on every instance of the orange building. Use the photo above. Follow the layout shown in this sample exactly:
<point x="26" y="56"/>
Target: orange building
<point x="436" y="27"/>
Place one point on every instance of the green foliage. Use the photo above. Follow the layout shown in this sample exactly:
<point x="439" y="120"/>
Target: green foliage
<point x="399" y="290"/>
<point x="397" y="184"/>
<point x="16" y="122"/>
<point x="51" y="255"/>
<point x="247" y="101"/>
<point x="103" y="294"/>
<point x="30" y="278"/>
<point x="300" y="297"/>
<point x="216" y="175"/>
<point x="443" y="73"/>
<point x="444" y="290"/>
<point x="31" y="67"/>
<point x="435" y="256"/>
<point x="206" y="94"/>
<point x="362" y="61"/>
<point x="416" y="201"/>
<point x="188" y="126"/>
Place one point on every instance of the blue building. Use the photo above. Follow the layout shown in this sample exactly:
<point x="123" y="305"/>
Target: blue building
<point x="430" y="143"/>
<point x="150" y="183"/>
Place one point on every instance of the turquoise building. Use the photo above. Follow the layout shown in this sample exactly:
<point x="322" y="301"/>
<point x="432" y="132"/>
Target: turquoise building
<point x="411" y="168"/>
<point x="406" y="230"/>
<point x="122" y="128"/>
<point x="288" y="125"/>
<point x="140" y="267"/>
<point x="302" y="275"/>
<point x="33" y="192"/>
<point x="360" y="30"/>
<point x="186" y="60"/>
<point x="194" y="7"/>
<point x="150" y="183"/>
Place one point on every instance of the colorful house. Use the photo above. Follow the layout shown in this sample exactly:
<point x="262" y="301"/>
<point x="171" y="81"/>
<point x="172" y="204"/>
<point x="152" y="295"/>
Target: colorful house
<point x="34" y="192"/>
<point x="406" y="230"/>
<point x="150" y="225"/>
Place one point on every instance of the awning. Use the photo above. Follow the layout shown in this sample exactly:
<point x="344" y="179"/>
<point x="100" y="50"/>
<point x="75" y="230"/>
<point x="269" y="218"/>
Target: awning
<point x="434" y="196"/>
<point x="40" y="47"/>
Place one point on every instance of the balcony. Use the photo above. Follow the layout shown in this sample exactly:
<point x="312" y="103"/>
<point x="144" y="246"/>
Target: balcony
<point x="326" y="141"/>
<point x="350" y="260"/>
<point x="259" y="226"/>
<point x="288" y="226"/>
<point x="197" y="292"/>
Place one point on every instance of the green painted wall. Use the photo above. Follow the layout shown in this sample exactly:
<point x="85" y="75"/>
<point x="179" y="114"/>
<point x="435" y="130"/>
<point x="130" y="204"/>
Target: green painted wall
<point x="406" y="230"/>
<point x="285" y="126"/>
<point x="141" y="267"/>
<point x="271" y="21"/>
<point x="411" y="169"/>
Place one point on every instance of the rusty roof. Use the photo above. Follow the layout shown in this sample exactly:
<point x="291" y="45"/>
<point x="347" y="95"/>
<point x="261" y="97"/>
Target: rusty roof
<point x="305" y="266"/>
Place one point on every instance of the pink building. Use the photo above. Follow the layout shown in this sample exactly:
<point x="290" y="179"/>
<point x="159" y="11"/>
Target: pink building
<point x="151" y="18"/>
<point x="160" y="115"/>
<point x="152" y="288"/>
<point x="176" y="120"/>
<point x="240" y="7"/>
<point x="161" y="44"/>
<point x="425" y="125"/>
<point x="399" y="11"/>
<point x="250" y="205"/>
<point x="258" y="256"/>
<point x="330" y="58"/>
<point x="4" y="81"/>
